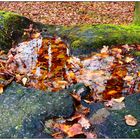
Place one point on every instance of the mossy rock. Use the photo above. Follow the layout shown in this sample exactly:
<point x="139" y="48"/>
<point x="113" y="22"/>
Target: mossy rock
<point x="12" y="26"/>
<point x="23" y="111"/>
<point x="113" y="124"/>
<point x="85" y="39"/>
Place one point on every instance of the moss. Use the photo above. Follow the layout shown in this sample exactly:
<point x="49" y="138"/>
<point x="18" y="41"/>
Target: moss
<point x="23" y="111"/>
<point x="137" y="53"/>
<point x="93" y="37"/>
<point x="114" y="125"/>
<point x="11" y="25"/>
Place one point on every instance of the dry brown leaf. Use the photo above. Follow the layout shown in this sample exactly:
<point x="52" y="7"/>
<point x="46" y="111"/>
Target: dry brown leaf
<point x="71" y="130"/>
<point x="75" y="130"/>
<point x="130" y="120"/>
<point x="57" y="135"/>
<point x="76" y="116"/>
<point x="76" y="96"/>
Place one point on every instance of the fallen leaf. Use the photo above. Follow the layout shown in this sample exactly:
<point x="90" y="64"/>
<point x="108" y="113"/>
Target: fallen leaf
<point x="104" y="49"/>
<point x="75" y="130"/>
<point x="76" y="116"/>
<point x="117" y="50"/>
<point x="126" y="47"/>
<point x="1" y="89"/>
<point x="112" y="92"/>
<point x="130" y="120"/>
<point x="128" y="78"/>
<point x="71" y="130"/>
<point x="90" y="135"/>
<point x="24" y="81"/>
<point x="128" y="59"/>
<point x="76" y="96"/>
<point x="119" y="100"/>
<point x="84" y="122"/>
<point x="88" y="102"/>
<point x="71" y="75"/>
<point x="139" y="74"/>
<point x="57" y="135"/>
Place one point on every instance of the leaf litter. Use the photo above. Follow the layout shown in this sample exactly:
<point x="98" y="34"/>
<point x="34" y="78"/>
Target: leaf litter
<point x="45" y="63"/>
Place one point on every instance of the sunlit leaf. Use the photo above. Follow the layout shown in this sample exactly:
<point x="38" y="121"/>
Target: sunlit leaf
<point x="71" y="130"/>
<point x="128" y="59"/>
<point x="24" y="81"/>
<point x="128" y="78"/>
<point x="112" y="92"/>
<point x="104" y="49"/>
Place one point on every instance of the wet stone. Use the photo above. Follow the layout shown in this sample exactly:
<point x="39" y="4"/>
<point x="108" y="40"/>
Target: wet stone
<point x="112" y="124"/>
<point x="23" y="111"/>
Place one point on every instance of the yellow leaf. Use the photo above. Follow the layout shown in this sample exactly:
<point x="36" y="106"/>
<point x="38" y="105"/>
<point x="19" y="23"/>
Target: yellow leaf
<point x="128" y="59"/>
<point x="60" y="56"/>
<point x="46" y="57"/>
<point x="112" y="92"/>
<point x="71" y="74"/>
<point x="24" y="81"/>
<point x="36" y="35"/>
<point x="139" y="73"/>
<point x="130" y="120"/>
<point x="1" y="89"/>
<point x="119" y="100"/>
<point x="117" y="50"/>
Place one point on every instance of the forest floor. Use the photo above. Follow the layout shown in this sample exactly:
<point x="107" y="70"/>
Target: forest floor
<point x="73" y="13"/>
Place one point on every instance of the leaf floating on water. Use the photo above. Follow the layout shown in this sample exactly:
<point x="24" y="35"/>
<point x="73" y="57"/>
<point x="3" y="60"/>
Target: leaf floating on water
<point x="130" y="120"/>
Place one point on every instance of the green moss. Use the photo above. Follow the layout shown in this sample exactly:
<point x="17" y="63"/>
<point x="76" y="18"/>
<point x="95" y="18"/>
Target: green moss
<point x="23" y="111"/>
<point x="88" y="38"/>
<point x="11" y="25"/>
<point x="136" y="53"/>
